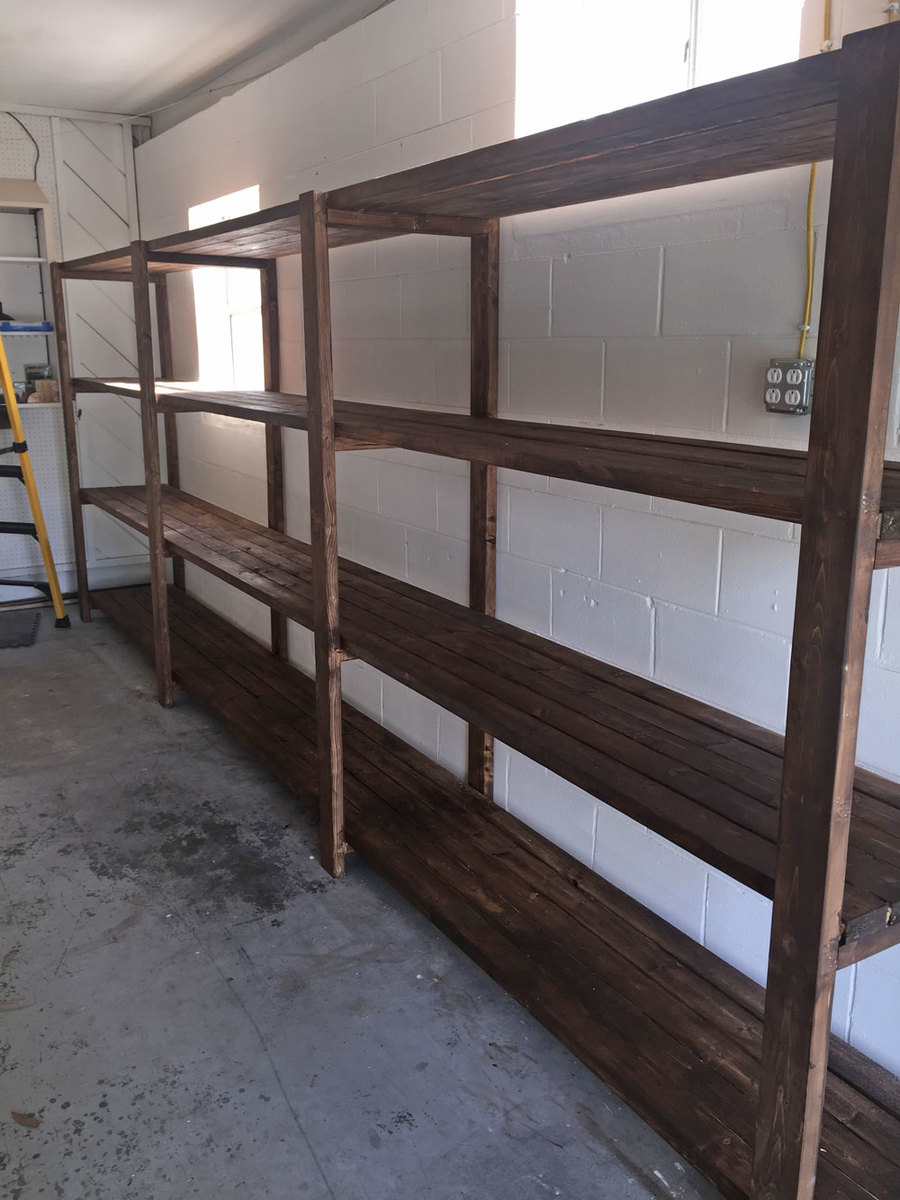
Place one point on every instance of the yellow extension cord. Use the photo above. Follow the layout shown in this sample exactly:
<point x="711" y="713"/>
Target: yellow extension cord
<point x="810" y="201"/>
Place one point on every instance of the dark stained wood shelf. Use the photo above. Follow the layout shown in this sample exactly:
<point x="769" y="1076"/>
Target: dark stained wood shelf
<point x="785" y="816"/>
<point x="759" y="480"/>
<point x="774" y="118"/>
<point x="701" y="778"/>
<point x="667" y="1025"/>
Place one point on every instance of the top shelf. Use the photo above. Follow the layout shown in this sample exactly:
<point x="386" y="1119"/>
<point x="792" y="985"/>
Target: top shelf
<point x="780" y="117"/>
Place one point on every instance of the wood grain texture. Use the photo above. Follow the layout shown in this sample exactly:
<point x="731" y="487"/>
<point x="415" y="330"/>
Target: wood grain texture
<point x="323" y="524"/>
<point x="483" y="404"/>
<point x="758" y="480"/>
<point x="170" y="419"/>
<point x="858" y="327"/>
<point x="70" y="429"/>
<point x="268" y="283"/>
<point x="757" y="122"/>
<point x="660" y="1019"/>
<point x="152" y="477"/>
<point x="700" y="777"/>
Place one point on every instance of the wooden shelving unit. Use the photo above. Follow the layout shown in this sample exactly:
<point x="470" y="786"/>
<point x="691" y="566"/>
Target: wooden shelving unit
<point x="749" y="1086"/>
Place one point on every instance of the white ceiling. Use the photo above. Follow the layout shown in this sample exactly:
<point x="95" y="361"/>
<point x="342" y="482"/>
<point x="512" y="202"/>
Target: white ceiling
<point x="136" y="56"/>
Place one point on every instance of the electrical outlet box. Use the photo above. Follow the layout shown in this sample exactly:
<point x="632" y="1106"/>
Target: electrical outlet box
<point x="789" y="385"/>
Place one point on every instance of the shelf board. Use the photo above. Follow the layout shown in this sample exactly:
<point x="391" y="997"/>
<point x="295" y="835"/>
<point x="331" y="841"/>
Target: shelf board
<point x="701" y="778"/>
<point x="761" y="481"/>
<point x="774" y="118"/>
<point x="669" y="1027"/>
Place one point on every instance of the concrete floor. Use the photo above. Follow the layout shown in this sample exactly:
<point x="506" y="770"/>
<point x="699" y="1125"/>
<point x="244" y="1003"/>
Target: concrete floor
<point x="192" y="1008"/>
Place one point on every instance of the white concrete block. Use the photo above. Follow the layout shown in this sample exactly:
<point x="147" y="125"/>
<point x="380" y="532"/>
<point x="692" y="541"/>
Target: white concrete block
<point x="523" y="480"/>
<point x="408" y="99"/>
<point x="759" y="582"/>
<point x="723" y="518"/>
<point x="603" y="295"/>
<point x="493" y="125"/>
<point x="502" y="755"/>
<point x="361" y="686"/>
<point x="408" y="495"/>
<point x="357" y="481"/>
<point x="607" y="622"/>
<point x="349" y="262"/>
<point x="889" y="654"/>
<point x="404" y="372"/>
<point x="449" y="23"/>
<point x="525" y="299"/>
<point x="436" y="304"/>
<point x="430" y="145"/>
<point x="746" y="285"/>
<point x="366" y="308"/>
<point x="594" y="494"/>
<point x="451" y="358"/>
<point x="668" y="560"/>
<point x="737" y="926"/>
<point x="301" y="648"/>
<point x="412" y="717"/>
<point x="393" y="35"/>
<point x="343" y="172"/>
<point x="729" y="665"/>
<point x="479" y="71"/>
<point x="524" y="593"/>
<point x="551" y="530"/>
<point x="874" y="1020"/>
<point x="378" y="543"/>
<point x="556" y="379"/>
<point x="439" y="564"/>
<point x="454" y="253"/>
<point x="668" y="383"/>
<point x="453" y="743"/>
<point x="877" y="743"/>
<point x="877" y="617"/>
<point x="562" y="813"/>
<point x="355" y="367"/>
<point x="404" y="255"/>
<point x="453" y="506"/>
<point x="661" y="876"/>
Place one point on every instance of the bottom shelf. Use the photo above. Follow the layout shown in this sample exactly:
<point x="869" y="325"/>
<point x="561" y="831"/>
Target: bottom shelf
<point x="668" y="1026"/>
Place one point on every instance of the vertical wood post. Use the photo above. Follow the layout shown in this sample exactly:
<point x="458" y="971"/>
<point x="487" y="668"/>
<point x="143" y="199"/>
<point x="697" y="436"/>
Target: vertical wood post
<point x="150" y="434"/>
<point x="323" y="520"/>
<point x="67" y="399"/>
<point x="485" y="306"/>
<point x="858" y="327"/>
<point x="170" y="420"/>
<point x="268" y="282"/>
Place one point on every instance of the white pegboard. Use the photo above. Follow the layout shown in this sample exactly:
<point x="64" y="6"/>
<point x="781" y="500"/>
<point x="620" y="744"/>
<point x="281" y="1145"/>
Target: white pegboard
<point x="17" y="160"/>
<point x="46" y="444"/>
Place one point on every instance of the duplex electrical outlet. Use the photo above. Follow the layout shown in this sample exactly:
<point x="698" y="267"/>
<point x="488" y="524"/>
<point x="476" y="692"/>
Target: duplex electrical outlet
<point x="789" y="385"/>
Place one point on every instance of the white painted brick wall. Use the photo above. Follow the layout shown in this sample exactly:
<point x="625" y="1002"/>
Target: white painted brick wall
<point x="654" y="312"/>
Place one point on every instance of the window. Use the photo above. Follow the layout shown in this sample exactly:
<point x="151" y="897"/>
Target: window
<point x="577" y="58"/>
<point x="228" y="307"/>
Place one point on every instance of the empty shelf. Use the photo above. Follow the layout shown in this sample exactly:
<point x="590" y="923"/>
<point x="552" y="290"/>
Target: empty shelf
<point x="703" y="779"/>
<point x="761" y="481"/>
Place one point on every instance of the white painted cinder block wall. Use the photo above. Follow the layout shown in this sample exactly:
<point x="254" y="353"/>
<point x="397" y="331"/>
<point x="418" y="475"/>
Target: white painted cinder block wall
<point x="653" y="313"/>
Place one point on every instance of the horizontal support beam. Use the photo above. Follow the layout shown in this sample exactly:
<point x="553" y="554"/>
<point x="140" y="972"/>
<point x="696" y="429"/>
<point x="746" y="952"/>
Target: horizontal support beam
<point x="401" y="222"/>
<point x="69" y="272"/>
<point x="187" y="260"/>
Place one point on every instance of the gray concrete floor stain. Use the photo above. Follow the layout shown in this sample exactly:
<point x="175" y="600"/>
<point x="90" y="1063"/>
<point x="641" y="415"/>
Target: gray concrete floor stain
<point x="190" y="1007"/>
